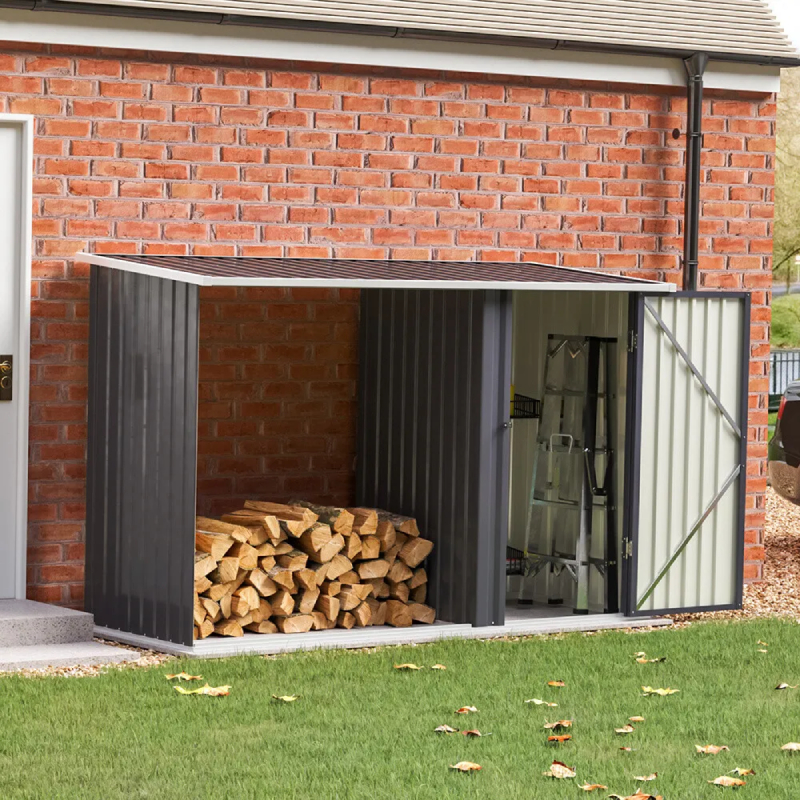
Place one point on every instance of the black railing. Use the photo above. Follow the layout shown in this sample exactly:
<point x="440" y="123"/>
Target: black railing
<point x="784" y="367"/>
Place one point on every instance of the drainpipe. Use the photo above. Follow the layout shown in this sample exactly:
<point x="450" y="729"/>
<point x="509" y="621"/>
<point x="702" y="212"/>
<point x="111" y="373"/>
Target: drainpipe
<point x="695" y="67"/>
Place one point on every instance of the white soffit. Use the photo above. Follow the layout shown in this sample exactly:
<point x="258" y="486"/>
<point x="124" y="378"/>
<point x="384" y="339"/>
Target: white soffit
<point x="156" y="35"/>
<point x="367" y="274"/>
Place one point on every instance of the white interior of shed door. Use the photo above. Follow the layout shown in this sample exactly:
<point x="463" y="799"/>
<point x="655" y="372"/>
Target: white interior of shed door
<point x="536" y="315"/>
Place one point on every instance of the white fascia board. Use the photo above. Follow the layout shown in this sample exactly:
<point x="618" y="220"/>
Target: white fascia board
<point x="631" y="284"/>
<point x="154" y="35"/>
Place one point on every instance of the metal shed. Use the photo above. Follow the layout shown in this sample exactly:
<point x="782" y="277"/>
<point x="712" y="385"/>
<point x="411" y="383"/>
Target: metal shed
<point x="425" y="449"/>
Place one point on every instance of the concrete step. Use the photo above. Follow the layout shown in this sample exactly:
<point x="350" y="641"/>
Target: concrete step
<point x="72" y="654"/>
<point x="25" y="622"/>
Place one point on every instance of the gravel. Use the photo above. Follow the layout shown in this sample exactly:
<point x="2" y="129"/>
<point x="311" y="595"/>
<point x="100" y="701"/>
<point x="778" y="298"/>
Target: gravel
<point x="778" y="594"/>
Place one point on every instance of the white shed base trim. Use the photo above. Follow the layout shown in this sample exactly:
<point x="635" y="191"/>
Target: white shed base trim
<point x="378" y="636"/>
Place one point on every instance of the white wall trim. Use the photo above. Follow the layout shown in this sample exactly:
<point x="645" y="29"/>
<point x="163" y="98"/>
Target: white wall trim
<point x="22" y="357"/>
<point x="362" y="50"/>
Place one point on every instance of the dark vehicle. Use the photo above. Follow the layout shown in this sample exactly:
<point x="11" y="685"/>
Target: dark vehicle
<point x="784" y="446"/>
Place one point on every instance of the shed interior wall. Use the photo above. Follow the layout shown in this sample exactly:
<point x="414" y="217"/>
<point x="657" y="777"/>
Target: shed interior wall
<point x="536" y="315"/>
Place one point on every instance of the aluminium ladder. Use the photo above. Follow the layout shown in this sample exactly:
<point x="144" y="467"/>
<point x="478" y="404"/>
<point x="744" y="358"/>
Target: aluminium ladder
<point x="565" y="497"/>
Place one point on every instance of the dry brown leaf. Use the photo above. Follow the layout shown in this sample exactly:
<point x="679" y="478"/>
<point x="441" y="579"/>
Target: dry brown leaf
<point x="627" y="749"/>
<point x="710" y="749"/>
<point x="650" y="777"/>
<point x="565" y="737"/>
<point x="791" y="746"/>
<point x="636" y="719"/>
<point x="645" y="660"/>
<point x="438" y="666"/>
<point x="407" y="667"/>
<point x="475" y="733"/>
<point x="560" y="770"/>
<point x="592" y="787"/>
<point x="557" y="684"/>
<point x="762" y="651"/>
<point x="639" y="795"/>
<point x="211" y="691"/>
<point x="726" y="780"/>
<point x="183" y="676"/>
<point x="649" y="690"/>
<point x="782" y="686"/>
<point x="742" y="771"/>
<point x="538" y="702"/>
<point x="556" y="726"/>
<point x="763" y="644"/>
<point x="285" y="698"/>
<point x="467" y="710"/>
<point x="624" y="729"/>
<point x="445" y="729"/>
<point x="466" y="766"/>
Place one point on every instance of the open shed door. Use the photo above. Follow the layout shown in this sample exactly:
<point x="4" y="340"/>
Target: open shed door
<point x="687" y="450"/>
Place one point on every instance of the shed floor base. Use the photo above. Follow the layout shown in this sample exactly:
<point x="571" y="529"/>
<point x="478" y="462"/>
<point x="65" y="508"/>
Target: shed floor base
<point x="265" y="644"/>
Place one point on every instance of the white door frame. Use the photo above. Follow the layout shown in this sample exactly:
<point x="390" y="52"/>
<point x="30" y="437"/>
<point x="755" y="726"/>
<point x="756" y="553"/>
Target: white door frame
<point x="21" y="376"/>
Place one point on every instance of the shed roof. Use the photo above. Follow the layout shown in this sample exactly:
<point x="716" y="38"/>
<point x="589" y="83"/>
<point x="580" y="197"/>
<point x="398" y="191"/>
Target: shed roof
<point x="728" y="29"/>
<point x="365" y="274"/>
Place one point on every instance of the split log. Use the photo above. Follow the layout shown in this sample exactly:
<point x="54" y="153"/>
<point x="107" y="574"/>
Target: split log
<point x="245" y="620"/>
<point x="266" y="522"/>
<point x="349" y="577"/>
<point x="340" y="519"/>
<point x="338" y="566"/>
<point x="244" y="600"/>
<point x="329" y="606"/>
<point x="352" y="545"/>
<point x="258" y="535"/>
<point x="264" y="611"/>
<point x="399" y="591"/>
<point x="306" y="578"/>
<point x="212" y="609"/>
<point x="265" y="626"/>
<point x="199" y="611"/>
<point x="420" y="577"/>
<point x="229" y="627"/>
<point x="331" y="549"/>
<point x="363" y="615"/>
<point x="297" y="623"/>
<point x="422" y="613"/>
<point x="293" y="519"/>
<point x="370" y="548"/>
<point x="321" y="622"/>
<point x="265" y="550"/>
<point x="348" y="600"/>
<point x="399" y="571"/>
<point x="386" y="534"/>
<point x="205" y="629"/>
<point x="345" y="620"/>
<point x="208" y="525"/>
<point x="293" y="561"/>
<point x="215" y="544"/>
<point x="311" y="541"/>
<point x="225" y="605"/>
<point x="365" y="521"/>
<point x="203" y="565"/>
<point x="321" y="571"/>
<point x="247" y="555"/>
<point x="202" y="585"/>
<point x="283" y="577"/>
<point x="380" y="588"/>
<point x="415" y="551"/>
<point x="282" y="604"/>
<point x="377" y="568"/>
<point x="391" y="554"/>
<point x="308" y="600"/>
<point x="420" y="593"/>
<point x="266" y="563"/>
<point x="282" y="548"/>
<point x="219" y="590"/>
<point x="406" y="525"/>
<point x="241" y="577"/>
<point x="397" y="614"/>
<point x="226" y="571"/>
<point x="378" y="611"/>
<point x="331" y="587"/>
<point x="263" y="584"/>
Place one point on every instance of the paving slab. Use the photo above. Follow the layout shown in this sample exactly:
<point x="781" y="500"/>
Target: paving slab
<point x="72" y="654"/>
<point x="26" y="622"/>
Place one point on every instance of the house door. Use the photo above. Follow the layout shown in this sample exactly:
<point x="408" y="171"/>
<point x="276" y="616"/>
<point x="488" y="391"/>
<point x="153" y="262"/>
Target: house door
<point x="16" y="157"/>
<point x="687" y="451"/>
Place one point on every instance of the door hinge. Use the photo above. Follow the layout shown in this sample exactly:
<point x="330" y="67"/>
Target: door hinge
<point x="633" y="341"/>
<point x="628" y="548"/>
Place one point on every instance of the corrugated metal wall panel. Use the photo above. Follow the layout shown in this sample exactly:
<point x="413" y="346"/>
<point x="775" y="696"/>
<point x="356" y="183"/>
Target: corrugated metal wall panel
<point x="142" y="458"/>
<point x="433" y="388"/>
<point x="688" y="452"/>
<point x="537" y="314"/>
<point x="716" y="26"/>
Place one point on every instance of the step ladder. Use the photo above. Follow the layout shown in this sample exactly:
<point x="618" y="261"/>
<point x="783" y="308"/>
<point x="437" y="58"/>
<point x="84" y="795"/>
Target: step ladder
<point x="567" y="506"/>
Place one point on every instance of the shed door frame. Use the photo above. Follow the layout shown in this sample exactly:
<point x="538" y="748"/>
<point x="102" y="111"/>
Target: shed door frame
<point x="634" y="448"/>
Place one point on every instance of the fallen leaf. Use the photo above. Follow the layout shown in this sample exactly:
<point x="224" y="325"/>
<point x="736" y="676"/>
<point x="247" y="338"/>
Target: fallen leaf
<point x="649" y="690"/>
<point x="710" y="749"/>
<point x="763" y="644"/>
<point x="741" y="771"/>
<point x="438" y="666"/>
<point x="467" y="710"/>
<point x="211" y="691"/>
<point x="445" y="729"/>
<point x="538" y="702"/>
<point x="624" y="729"/>
<point x="555" y="726"/>
<point x="636" y="719"/>
<point x="791" y="746"/>
<point x="640" y="795"/>
<point x="650" y="777"/>
<point x="466" y="766"/>
<point x="565" y="737"/>
<point x="407" y="666"/>
<point x="560" y="770"/>
<point x="592" y="787"/>
<point x="781" y="686"/>
<point x="762" y="651"/>
<point x="640" y="654"/>
<point x="286" y="698"/>
<point x="645" y="660"/>
<point x="475" y="734"/>
<point x="627" y="749"/>
<point x="726" y="780"/>
<point x="557" y="684"/>
<point x="183" y="676"/>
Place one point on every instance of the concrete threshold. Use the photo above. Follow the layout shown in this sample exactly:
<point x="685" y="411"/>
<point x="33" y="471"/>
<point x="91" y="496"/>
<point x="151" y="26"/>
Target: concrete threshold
<point x="64" y="654"/>
<point x="378" y="636"/>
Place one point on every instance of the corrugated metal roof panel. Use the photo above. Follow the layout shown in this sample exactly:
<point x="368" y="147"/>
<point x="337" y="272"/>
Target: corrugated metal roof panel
<point x="733" y="27"/>
<point x="248" y="271"/>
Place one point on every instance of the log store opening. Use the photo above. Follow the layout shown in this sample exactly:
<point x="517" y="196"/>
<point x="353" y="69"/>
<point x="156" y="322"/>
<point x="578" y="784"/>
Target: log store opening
<point x="572" y="442"/>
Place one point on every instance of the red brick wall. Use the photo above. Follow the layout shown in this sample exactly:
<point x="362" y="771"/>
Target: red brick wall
<point x="174" y="155"/>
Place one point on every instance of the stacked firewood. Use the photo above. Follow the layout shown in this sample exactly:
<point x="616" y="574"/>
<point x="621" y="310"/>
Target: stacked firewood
<point x="294" y="568"/>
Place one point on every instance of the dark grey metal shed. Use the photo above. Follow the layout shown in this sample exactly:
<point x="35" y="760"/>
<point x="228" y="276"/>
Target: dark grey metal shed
<point x="423" y="449"/>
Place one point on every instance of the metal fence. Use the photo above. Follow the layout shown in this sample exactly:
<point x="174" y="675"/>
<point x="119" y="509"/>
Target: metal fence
<point x="784" y="368"/>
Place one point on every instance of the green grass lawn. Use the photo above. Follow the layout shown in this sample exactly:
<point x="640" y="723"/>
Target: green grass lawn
<point x="363" y="730"/>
